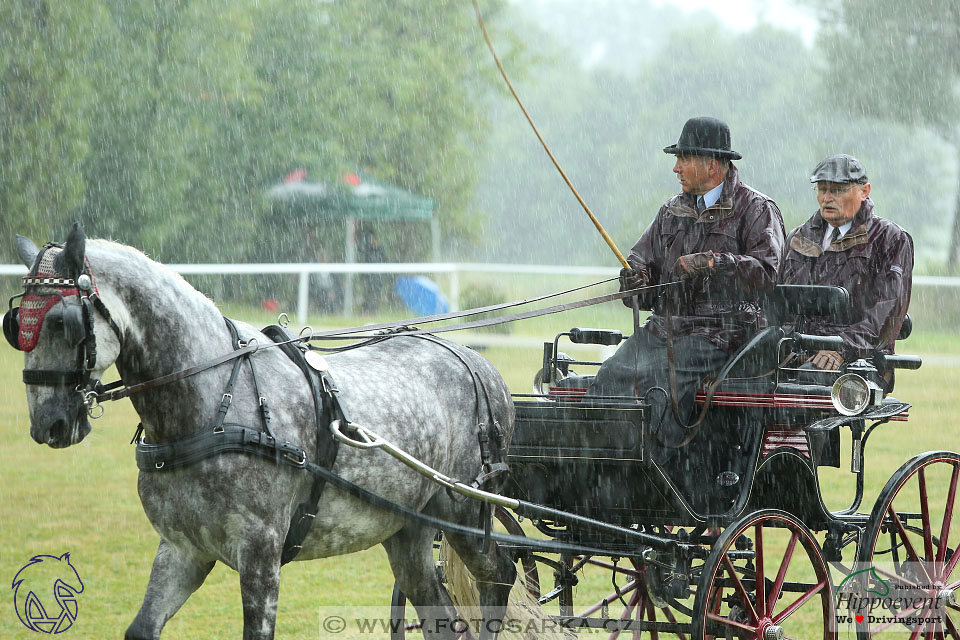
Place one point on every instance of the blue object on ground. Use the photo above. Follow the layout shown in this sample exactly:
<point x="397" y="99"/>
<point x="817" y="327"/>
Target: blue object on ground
<point x="421" y="295"/>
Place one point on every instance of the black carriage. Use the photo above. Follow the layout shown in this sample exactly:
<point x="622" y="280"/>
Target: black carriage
<point x="736" y="539"/>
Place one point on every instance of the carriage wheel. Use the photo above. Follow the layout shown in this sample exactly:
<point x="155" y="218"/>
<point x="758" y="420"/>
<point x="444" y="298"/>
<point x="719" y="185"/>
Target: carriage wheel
<point x="776" y="550"/>
<point x="400" y="630"/>
<point x="909" y="547"/>
<point x="630" y="601"/>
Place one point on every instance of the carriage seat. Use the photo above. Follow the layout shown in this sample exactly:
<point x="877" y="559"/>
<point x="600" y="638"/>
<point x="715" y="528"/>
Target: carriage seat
<point x="756" y="357"/>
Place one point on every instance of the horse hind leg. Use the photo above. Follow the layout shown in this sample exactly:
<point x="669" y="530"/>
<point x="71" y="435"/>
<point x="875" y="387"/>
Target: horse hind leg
<point x="410" y="552"/>
<point x="495" y="574"/>
<point x="175" y="575"/>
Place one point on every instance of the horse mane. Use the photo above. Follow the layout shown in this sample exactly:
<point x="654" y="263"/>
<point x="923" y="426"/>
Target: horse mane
<point x="125" y="254"/>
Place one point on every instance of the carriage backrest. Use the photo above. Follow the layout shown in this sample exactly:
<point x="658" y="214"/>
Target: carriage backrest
<point x="806" y="300"/>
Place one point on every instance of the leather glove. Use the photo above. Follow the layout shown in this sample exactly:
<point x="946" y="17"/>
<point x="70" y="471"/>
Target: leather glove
<point x="826" y="360"/>
<point x="694" y="264"/>
<point x="632" y="279"/>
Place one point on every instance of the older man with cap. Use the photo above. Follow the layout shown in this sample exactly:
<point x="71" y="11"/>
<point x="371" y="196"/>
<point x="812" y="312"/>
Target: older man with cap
<point x="724" y="240"/>
<point x="845" y="244"/>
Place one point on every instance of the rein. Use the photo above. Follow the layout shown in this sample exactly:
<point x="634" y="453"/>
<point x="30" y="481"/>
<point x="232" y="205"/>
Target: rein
<point x="453" y="314"/>
<point x="111" y="392"/>
<point x="406" y="325"/>
<point x="106" y="392"/>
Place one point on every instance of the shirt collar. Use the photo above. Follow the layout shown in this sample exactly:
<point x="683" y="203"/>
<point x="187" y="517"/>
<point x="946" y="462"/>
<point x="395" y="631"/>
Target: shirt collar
<point x="711" y="197"/>
<point x="829" y="231"/>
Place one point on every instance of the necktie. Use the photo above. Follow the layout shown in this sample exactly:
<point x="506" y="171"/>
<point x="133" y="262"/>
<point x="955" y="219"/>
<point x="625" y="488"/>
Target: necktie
<point x="701" y="205"/>
<point x="834" y="236"/>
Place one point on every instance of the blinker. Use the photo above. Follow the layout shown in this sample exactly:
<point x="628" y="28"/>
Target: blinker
<point x="73" y="329"/>
<point x="11" y="327"/>
<point x="71" y="316"/>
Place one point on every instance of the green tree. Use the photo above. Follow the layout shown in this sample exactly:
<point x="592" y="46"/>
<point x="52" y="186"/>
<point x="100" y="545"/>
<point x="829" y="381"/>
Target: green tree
<point x="897" y="61"/>
<point x="44" y="97"/>
<point x="160" y="124"/>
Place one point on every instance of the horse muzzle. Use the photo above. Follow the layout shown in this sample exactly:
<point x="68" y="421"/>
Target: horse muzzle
<point x="59" y="431"/>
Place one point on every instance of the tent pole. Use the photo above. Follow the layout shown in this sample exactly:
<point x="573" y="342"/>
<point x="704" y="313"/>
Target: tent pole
<point x="351" y="257"/>
<point x="435" y="236"/>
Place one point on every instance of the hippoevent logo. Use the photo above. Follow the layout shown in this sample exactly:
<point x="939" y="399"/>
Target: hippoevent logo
<point x="45" y="593"/>
<point x="893" y="599"/>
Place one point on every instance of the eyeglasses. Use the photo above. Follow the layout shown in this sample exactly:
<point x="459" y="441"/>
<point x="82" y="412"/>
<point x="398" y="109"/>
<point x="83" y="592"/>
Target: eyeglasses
<point x="823" y="188"/>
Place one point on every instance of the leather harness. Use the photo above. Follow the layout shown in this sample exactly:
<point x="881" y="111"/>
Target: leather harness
<point x="235" y="438"/>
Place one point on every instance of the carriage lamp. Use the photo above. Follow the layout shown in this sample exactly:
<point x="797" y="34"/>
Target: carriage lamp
<point x="851" y="394"/>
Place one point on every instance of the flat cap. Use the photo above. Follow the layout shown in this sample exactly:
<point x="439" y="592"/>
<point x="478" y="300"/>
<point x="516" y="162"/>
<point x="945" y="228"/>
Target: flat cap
<point x="839" y="168"/>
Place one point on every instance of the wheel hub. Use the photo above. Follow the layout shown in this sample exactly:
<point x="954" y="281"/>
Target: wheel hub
<point x="947" y="597"/>
<point x="773" y="632"/>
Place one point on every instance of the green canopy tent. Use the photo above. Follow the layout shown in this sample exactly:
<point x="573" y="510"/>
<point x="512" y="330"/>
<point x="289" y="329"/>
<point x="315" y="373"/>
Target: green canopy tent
<point x="353" y="198"/>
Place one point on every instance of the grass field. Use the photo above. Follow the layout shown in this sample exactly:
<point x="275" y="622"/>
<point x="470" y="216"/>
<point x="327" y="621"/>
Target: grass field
<point x="84" y="499"/>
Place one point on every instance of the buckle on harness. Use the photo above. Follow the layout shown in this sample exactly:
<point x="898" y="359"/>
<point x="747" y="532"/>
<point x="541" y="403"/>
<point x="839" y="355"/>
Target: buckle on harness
<point x="292" y="458"/>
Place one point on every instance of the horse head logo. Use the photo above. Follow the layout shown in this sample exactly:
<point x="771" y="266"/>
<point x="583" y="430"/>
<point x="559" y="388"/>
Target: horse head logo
<point x="45" y="593"/>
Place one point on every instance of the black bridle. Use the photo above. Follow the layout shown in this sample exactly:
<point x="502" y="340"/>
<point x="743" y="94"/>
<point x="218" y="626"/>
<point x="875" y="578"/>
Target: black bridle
<point x="77" y="327"/>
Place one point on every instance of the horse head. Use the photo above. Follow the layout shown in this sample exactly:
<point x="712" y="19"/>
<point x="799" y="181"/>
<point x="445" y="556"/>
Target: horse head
<point x="67" y="341"/>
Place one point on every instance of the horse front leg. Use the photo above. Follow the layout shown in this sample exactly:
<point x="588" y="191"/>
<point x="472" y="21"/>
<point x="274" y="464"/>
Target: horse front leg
<point x="175" y="575"/>
<point x="259" y="590"/>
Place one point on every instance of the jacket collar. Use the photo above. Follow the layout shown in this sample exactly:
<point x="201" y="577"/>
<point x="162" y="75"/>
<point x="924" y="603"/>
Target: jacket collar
<point x="807" y="240"/>
<point x="685" y="204"/>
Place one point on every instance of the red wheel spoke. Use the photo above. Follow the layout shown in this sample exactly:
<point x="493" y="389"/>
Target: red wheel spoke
<point x="782" y="573"/>
<point x="730" y="623"/>
<point x="652" y="617"/>
<point x="925" y="516"/>
<point x="951" y="563"/>
<point x="758" y="573"/>
<point x="902" y="580"/>
<point x="911" y="551"/>
<point x="670" y="617"/>
<point x="951" y="628"/>
<point x="611" y="567"/>
<point x="920" y="628"/>
<point x="783" y="615"/>
<point x="947" y="516"/>
<point x="738" y="586"/>
<point x="610" y="598"/>
<point x="627" y="613"/>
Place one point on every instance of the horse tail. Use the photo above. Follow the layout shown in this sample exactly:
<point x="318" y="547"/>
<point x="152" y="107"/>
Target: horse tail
<point x="524" y="613"/>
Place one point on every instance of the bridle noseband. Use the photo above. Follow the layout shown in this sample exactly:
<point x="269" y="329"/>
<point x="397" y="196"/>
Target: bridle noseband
<point x="40" y="286"/>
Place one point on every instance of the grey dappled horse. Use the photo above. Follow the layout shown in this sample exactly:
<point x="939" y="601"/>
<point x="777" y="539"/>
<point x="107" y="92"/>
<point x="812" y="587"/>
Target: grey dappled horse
<point x="236" y="508"/>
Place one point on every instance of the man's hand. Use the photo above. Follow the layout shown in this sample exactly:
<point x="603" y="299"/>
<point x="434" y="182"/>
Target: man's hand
<point x="826" y="360"/>
<point x="632" y="279"/>
<point x="694" y="264"/>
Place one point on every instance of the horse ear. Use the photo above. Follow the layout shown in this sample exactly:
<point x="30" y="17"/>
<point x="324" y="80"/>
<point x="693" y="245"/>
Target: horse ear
<point x="27" y="250"/>
<point x="70" y="261"/>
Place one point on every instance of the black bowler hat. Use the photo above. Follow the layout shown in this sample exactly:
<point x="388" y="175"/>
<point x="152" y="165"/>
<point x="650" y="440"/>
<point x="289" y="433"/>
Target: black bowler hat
<point x="704" y="137"/>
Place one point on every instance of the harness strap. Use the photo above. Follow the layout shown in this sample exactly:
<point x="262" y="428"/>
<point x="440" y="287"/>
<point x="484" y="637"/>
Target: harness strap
<point x="228" y="438"/>
<point x="238" y="439"/>
<point x="491" y="448"/>
<point x="321" y="387"/>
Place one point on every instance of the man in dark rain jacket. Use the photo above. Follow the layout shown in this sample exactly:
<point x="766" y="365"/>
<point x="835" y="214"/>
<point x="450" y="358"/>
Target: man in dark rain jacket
<point x="724" y="240"/>
<point x="846" y="245"/>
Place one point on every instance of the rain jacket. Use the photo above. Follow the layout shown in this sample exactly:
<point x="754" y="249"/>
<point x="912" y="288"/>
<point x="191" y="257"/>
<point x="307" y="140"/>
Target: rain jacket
<point x="873" y="262"/>
<point x="744" y="230"/>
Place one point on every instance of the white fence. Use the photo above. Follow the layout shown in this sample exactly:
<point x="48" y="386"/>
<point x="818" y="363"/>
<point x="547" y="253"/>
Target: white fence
<point x="452" y="269"/>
